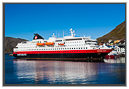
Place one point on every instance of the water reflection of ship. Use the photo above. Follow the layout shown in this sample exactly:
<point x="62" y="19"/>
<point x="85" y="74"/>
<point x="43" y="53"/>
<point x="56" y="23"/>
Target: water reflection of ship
<point x="54" y="71"/>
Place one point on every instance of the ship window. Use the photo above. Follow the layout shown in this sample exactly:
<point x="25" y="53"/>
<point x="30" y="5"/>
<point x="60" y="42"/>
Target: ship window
<point x="58" y="40"/>
<point x="74" y="39"/>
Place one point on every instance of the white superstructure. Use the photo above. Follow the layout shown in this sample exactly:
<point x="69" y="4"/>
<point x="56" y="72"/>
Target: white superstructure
<point x="66" y="43"/>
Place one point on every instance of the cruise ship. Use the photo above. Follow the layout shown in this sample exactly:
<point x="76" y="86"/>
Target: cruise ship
<point x="66" y="47"/>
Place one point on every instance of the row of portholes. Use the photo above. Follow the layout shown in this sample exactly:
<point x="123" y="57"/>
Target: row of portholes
<point x="76" y="45"/>
<point x="63" y="51"/>
<point x="74" y="42"/>
<point x="54" y="49"/>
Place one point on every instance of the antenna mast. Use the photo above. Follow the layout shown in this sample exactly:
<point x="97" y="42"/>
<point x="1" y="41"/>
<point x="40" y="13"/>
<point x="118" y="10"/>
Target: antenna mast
<point x="72" y="32"/>
<point x="63" y="33"/>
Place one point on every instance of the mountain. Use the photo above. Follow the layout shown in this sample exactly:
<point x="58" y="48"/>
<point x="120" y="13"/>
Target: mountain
<point x="116" y="34"/>
<point x="10" y="43"/>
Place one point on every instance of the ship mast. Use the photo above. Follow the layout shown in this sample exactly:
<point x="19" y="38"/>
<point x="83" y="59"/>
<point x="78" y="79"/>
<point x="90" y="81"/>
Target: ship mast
<point x="53" y="35"/>
<point x="63" y="33"/>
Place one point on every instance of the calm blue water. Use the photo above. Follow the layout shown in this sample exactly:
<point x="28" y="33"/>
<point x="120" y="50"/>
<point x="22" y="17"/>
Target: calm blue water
<point x="62" y="72"/>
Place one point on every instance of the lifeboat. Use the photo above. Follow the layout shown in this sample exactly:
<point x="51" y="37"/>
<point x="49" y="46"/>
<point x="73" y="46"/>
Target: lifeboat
<point x="40" y="44"/>
<point x="61" y="44"/>
<point x="49" y="43"/>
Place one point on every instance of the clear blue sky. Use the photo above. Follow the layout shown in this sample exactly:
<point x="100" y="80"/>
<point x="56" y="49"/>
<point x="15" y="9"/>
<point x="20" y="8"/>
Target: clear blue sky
<point x="95" y="20"/>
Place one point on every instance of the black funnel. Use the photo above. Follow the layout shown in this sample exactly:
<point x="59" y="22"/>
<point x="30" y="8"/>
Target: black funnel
<point x="37" y="36"/>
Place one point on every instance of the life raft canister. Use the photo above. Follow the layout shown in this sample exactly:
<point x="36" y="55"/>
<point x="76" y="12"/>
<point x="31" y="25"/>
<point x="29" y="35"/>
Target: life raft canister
<point x="49" y="43"/>
<point x="61" y="44"/>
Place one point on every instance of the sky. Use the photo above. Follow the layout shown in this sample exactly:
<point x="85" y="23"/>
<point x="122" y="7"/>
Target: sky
<point x="94" y="20"/>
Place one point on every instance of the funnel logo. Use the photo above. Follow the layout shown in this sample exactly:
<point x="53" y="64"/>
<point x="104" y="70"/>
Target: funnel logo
<point x="36" y="37"/>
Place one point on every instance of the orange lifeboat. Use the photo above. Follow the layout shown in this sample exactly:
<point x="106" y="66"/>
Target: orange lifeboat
<point x="49" y="43"/>
<point x="40" y="44"/>
<point x="61" y="44"/>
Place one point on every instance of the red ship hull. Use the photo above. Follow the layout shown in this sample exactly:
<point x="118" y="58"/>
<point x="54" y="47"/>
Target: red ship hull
<point x="94" y="53"/>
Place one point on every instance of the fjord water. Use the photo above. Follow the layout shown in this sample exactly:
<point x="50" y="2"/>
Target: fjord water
<point x="62" y="72"/>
